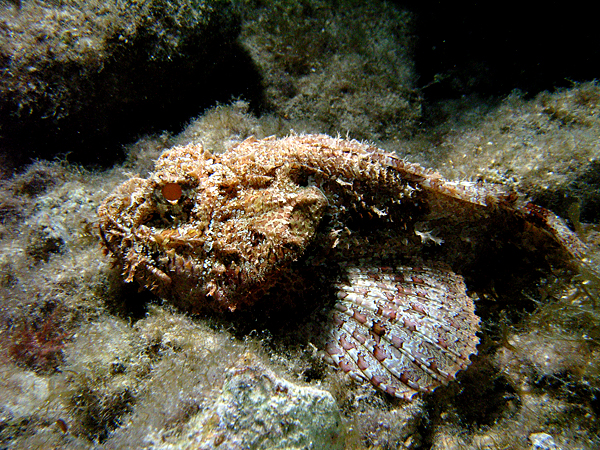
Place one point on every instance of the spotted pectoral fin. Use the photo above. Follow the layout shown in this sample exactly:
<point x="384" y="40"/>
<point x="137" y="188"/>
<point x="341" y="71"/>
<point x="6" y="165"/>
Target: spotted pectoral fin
<point x="405" y="330"/>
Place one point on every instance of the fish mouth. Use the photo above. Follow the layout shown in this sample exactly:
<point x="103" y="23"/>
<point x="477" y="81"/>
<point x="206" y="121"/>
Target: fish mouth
<point x="189" y="269"/>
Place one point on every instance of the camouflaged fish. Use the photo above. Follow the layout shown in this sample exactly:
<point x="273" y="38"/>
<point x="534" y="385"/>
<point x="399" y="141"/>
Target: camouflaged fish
<point x="379" y="244"/>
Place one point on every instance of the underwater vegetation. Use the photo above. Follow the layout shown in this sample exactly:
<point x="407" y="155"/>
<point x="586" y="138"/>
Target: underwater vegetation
<point x="126" y="363"/>
<point x="38" y="346"/>
<point x="84" y="74"/>
<point x="338" y="67"/>
<point x="88" y="361"/>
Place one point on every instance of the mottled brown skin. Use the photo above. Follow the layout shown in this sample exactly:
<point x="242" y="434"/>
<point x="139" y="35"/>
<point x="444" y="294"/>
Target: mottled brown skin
<point x="217" y="232"/>
<point x="244" y="216"/>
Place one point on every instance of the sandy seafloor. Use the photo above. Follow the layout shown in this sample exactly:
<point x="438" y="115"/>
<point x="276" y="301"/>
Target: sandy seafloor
<point x="88" y="361"/>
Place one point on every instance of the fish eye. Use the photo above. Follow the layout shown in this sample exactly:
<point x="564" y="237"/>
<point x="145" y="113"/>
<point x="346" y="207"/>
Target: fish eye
<point x="172" y="192"/>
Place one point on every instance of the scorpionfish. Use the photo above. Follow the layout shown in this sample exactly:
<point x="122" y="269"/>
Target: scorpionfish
<point x="379" y="246"/>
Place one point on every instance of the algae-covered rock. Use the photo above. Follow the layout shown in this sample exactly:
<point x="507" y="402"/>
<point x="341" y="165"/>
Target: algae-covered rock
<point x="96" y="73"/>
<point x="89" y="76"/>
<point x="546" y="147"/>
<point x="22" y="393"/>
<point x="259" y="410"/>
<point x="337" y="67"/>
<point x="134" y="375"/>
<point x="105" y="364"/>
<point x="543" y="441"/>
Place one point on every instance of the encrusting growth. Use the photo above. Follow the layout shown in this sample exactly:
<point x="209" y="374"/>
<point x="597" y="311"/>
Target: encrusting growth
<point x="285" y="220"/>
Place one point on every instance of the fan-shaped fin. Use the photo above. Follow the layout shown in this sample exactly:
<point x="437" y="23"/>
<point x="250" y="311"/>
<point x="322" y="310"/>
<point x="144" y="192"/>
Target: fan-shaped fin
<point x="405" y="329"/>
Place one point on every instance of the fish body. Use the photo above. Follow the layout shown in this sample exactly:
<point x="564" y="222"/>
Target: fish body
<point x="380" y="243"/>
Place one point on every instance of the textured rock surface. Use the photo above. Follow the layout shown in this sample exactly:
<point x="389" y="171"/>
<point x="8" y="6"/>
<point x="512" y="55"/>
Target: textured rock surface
<point x="97" y="73"/>
<point x="176" y="366"/>
<point x="543" y="441"/>
<point x="339" y="67"/>
<point x="546" y="147"/>
<point x="259" y="410"/>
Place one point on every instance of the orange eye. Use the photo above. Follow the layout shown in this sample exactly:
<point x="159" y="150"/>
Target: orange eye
<point x="62" y="425"/>
<point x="172" y="192"/>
